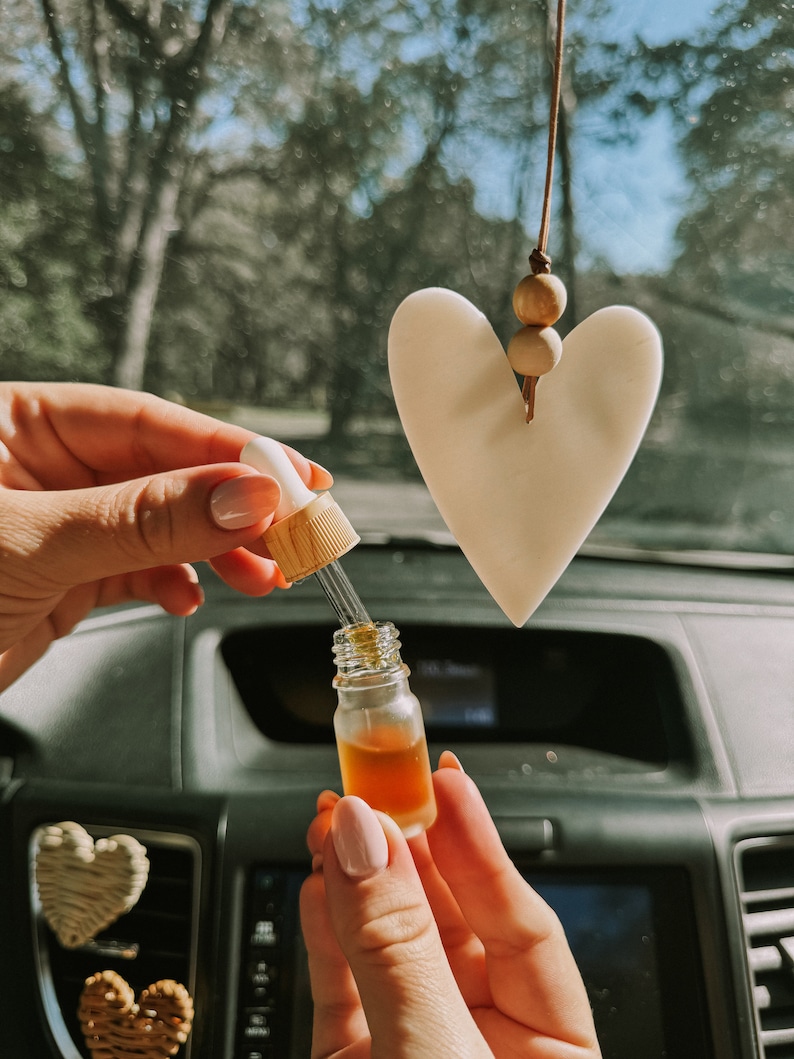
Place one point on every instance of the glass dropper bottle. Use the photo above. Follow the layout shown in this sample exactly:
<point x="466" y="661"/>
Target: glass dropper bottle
<point x="380" y="732"/>
<point x="378" y="722"/>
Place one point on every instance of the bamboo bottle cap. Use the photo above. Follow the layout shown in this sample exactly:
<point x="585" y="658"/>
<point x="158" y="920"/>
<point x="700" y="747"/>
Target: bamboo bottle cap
<point x="310" y="538"/>
<point x="310" y="530"/>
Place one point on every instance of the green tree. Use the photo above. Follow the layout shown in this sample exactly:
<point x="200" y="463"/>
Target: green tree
<point x="132" y="77"/>
<point x="363" y="194"/>
<point x="731" y="92"/>
<point x="268" y="181"/>
<point x="48" y="266"/>
<point x="739" y="149"/>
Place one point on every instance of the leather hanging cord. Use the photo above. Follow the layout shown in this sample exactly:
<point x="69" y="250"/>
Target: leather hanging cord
<point x="539" y="259"/>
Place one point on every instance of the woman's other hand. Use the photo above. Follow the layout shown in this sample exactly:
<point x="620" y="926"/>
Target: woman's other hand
<point x="436" y="946"/>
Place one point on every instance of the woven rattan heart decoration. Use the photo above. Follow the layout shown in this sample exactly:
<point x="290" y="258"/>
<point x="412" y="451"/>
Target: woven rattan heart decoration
<point x="116" y="1027"/>
<point x="84" y="886"/>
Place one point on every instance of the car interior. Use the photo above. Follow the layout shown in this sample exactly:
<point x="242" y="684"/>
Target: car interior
<point x="616" y="738"/>
<point x="634" y="739"/>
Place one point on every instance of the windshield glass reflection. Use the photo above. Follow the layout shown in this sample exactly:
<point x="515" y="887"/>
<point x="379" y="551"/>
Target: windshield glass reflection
<point x="225" y="202"/>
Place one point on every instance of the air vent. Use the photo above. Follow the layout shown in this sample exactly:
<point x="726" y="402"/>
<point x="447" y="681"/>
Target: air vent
<point x="765" y="868"/>
<point x="156" y="939"/>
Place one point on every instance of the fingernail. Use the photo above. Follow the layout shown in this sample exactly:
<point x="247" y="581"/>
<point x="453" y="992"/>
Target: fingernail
<point x="198" y="595"/>
<point x="326" y="800"/>
<point x="359" y="840"/>
<point x="448" y="760"/>
<point x="323" y="470"/>
<point x="244" y="501"/>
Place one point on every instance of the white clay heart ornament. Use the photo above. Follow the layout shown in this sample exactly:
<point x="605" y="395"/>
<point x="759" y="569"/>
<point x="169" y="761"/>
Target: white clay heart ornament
<point x="115" y="1026"/>
<point x="520" y="497"/>
<point x="85" y="886"/>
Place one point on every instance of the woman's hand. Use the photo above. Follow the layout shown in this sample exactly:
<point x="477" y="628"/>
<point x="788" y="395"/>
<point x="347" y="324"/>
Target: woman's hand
<point x="106" y="495"/>
<point x="440" y="949"/>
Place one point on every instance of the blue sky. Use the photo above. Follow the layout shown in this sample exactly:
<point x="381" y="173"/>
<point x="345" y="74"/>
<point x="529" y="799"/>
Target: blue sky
<point x="663" y="20"/>
<point x="628" y="198"/>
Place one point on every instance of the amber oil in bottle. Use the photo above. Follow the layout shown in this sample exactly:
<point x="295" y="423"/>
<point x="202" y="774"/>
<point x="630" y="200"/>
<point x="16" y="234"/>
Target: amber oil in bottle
<point x="380" y="733"/>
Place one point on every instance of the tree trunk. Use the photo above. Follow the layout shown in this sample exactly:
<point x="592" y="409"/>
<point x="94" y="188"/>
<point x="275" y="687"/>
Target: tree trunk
<point x="569" y="240"/>
<point x="344" y="379"/>
<point x="144" y="283"/>
<point x="159" y="218"/>
<point x="136" y="209"/>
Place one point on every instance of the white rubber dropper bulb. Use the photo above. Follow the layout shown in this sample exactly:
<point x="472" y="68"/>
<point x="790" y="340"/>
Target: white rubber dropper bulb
<point x="268" y="457"/>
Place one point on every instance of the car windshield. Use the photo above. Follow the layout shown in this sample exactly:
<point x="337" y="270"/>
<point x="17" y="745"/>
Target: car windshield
<point x="224" y="202"/>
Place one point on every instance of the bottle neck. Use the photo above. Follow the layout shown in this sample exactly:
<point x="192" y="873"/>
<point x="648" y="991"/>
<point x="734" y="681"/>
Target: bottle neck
<point x="368" y="655"/>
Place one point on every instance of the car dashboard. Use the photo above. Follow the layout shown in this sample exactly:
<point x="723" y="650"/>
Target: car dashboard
<point x="634" y="743"/>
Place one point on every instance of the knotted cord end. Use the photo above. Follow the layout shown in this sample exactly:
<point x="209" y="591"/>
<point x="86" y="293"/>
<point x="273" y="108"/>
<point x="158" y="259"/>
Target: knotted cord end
<point x="539" y="262"/>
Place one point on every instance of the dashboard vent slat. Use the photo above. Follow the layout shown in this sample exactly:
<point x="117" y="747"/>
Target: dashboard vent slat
<point x="765" y="871"/>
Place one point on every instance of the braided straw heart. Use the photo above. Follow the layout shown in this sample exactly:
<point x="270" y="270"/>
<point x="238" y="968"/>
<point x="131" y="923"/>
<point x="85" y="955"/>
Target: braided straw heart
<point x="85" y="886"/>
<point x="116" y="1027"/>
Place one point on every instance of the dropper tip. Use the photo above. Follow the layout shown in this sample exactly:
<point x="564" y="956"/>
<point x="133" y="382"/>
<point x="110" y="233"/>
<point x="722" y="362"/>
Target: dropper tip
<point x="342" y="596"/>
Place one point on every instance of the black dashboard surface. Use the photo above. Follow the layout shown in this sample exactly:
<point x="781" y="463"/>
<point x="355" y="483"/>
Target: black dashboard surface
<point x="634" y="743"/>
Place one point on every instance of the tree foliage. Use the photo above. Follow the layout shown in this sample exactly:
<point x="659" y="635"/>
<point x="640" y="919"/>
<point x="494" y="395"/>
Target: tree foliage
<point x="240" y="160"/>
<point x="731" y="93"/>
<point x="229" y="198"/>
<point x="48" y="268"/>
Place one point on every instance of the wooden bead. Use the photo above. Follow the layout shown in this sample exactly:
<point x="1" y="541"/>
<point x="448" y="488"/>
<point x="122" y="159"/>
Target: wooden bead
<point x="534" y="350"/>
<point x="540" y="300"/>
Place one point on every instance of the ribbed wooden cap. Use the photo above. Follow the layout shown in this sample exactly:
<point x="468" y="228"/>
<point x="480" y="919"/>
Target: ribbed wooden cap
<point x="310" y="538"/>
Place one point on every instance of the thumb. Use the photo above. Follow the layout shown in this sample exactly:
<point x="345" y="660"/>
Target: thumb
<point x="387" y="932"/>
<point x="182" y="516"/>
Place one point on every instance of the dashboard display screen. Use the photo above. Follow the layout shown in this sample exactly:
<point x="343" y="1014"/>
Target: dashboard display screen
<point x="455" y="693"/>
<point x="630" y="931"/>
<point x="610" y="693"/>
<point x="632" y="934"/>
<point x="611" y="933"/>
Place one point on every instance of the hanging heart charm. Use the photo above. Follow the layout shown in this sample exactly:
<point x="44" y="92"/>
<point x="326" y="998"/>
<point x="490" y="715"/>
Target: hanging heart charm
<point x="85" y="886"/>
<point x="114" y="1025"/>
<point x="520" y="498"/>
